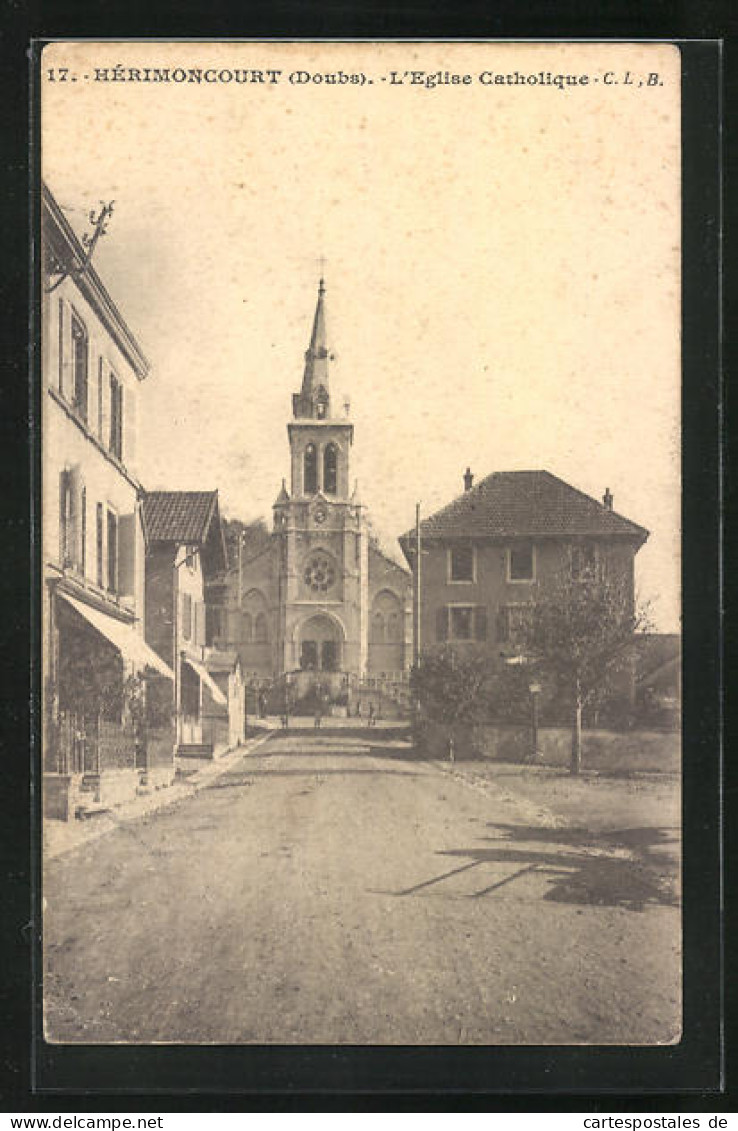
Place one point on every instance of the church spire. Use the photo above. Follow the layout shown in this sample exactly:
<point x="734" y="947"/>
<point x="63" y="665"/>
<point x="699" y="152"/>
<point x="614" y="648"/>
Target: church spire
<point x="313" y="400"/>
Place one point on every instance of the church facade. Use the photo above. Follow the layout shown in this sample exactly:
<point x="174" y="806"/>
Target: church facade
<point x="321" y="603"/>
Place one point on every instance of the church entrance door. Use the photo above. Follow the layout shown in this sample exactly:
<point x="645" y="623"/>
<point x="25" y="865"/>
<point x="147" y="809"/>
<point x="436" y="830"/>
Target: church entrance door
<point x="320" y="645"/>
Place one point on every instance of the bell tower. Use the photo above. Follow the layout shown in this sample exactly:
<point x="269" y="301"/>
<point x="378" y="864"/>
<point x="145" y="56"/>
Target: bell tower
<point x="319" y="439"/>
<point x="320" y="528"/>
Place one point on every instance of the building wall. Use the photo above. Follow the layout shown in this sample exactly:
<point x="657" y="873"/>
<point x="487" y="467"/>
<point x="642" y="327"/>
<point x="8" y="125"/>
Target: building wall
<point x="248" y="606"/>
<point x="77" y="452"/>
<point x="159" y="601"/>
<point x="389" y="616"/>
<point x="190" y="593"/>
<point x="492" y="588"/>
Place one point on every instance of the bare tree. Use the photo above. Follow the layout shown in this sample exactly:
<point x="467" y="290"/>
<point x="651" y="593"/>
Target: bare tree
<point x="581" y="634"/>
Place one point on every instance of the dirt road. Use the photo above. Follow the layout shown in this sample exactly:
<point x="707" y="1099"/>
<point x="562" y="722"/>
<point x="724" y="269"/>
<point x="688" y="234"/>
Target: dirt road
<point x="325" y="890"/>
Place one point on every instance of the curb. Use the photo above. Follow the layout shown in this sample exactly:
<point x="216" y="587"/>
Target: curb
<point x="60" y="837"/>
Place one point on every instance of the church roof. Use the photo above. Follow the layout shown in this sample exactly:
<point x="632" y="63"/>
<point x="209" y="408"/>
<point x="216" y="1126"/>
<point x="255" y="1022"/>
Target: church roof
<point x="283" y="496"/>
<point x="510" y="504"/>
<point x="317" y="356"/>
<point x="179" y="516"/>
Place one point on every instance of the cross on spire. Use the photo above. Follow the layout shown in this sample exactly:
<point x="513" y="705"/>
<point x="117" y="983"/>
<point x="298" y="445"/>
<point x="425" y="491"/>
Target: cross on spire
<point x="321" y="263"/>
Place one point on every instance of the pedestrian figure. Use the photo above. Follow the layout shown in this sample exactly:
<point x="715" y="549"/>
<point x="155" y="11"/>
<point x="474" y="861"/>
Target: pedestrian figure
<point x="451" y="749"/>
<point x="371" y="719"/>
<point x="358" y="709"/>
<point x="318" y="710"/>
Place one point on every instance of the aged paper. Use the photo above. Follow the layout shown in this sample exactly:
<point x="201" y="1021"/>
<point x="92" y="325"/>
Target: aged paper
<point x="293" y="292"/>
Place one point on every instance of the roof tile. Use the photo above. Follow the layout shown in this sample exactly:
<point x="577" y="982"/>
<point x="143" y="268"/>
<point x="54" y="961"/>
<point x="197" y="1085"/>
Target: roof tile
<point x="510" y="504"/>
<point x="178" y="516"/>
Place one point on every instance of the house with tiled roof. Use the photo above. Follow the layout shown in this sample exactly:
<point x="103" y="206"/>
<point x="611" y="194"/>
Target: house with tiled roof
<point x="185" y="549"/>
<point x="93" y="373"/>
<point x="485" y="555"/>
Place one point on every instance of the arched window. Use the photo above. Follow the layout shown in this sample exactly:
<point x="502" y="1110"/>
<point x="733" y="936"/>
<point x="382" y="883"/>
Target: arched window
<point x="247" y="628"/>
<point x="330" y="470"/>
<point x="311" y="470"/>
<point x="261" y="629"/>
<point x="377" y="628"/>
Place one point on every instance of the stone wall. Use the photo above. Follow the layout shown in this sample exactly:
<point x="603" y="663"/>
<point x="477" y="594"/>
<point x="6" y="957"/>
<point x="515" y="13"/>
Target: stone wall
<point x="603" y="751"/>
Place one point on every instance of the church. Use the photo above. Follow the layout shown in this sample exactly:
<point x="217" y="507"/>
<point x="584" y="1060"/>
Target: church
<point x="321" y="605"/>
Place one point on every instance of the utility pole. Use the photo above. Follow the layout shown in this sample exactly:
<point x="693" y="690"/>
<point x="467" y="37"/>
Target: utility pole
<point x="240" y="568"/>
<point x="99" y="223"/>
<point x="416" y="591"/>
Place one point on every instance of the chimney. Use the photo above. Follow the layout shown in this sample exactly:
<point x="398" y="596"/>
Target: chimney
<point x="607" y="499"/>
<point x="468" y="479"/>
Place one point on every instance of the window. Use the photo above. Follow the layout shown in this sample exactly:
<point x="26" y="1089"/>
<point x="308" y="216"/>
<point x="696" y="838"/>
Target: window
<point x="247" y="628"/>
<point x="461" y="563"/>
<point x="321" y="403"/>
<point x="116" y="417"/>
<point x="584" y="563"/>
<point x="261" y="629"/>
<point x="377" y="628"/>
<point x="112" y="552"/>
<point x="309" y="655"/>
<point x="80" y="353"/>
<point x="311" y="470"/>
<point x="461" y="623"/>
<point x="393" y="628"/>
<point x="319" y="573"/>
<point x="100" y="545"/>
<point x="186" y="616"/>
<point x="521" y="562"/>
<point x="330" y="470"/>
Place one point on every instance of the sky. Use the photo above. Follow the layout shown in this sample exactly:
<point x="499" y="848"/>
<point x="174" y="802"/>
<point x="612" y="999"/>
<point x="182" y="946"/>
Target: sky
<point x="501" y="263"/>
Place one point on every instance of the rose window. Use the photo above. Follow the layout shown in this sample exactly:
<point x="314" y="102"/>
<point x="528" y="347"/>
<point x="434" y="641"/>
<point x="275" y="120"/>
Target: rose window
<point x="320" y="573"/>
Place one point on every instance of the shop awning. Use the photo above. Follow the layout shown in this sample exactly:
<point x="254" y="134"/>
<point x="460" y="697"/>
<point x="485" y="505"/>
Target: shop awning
<point x="200" y="670"/>
<point x="124" y="637"/>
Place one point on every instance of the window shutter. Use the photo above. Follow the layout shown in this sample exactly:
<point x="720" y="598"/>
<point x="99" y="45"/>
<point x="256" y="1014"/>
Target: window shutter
<point x="121" y="454"/>
<point x="100" y="545"/>
<point x="102" y="403"/>
<point x="503" y="624"/>
<point x="442" y="623"/>
<point x="65" y="349"/>
<point x="127" y="554"/>
<point x="64" y="517"/>
<point x="129" y="427"/>
<point x="480" y="622"/>
<point x="74" y="536"/>
<point x="92" y="352"/>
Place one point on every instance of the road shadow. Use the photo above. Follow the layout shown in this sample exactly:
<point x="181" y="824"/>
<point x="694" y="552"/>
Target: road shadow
<point x="579" y="867"/>
<point x="657" y="846"/>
